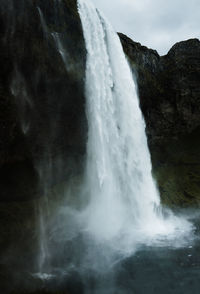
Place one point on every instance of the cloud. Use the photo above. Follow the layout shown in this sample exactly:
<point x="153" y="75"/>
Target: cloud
<point x="155" y="23"/>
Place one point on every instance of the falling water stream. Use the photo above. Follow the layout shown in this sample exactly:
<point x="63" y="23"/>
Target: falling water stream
<point x="123" y="203"/>
<point x="114" y="209"/>
<point x="104" y="230"/>
<point x="118" y="207"/>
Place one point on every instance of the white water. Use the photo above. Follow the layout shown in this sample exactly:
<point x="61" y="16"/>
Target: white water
<point x="123" y="202"/>
<point x="117" y="207"/>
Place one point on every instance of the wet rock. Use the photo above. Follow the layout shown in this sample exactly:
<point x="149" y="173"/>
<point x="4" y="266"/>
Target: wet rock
<point x="169" y="91"/>
<point x="42" y="119"/>
<point x="43" y="129"/>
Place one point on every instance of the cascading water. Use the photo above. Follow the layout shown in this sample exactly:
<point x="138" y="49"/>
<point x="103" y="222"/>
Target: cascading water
<point x="87" y="229"/>
<point x="115" y="207"/>
<point x="123" y="202"/>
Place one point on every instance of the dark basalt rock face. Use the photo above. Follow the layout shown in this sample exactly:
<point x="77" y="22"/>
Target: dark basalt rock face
<point x="42" y="126"/>
<point x="43" y="129"/>
<point x="169" y="87"/>
<point x="169" y="90"/>
<point x="42" y="119"/>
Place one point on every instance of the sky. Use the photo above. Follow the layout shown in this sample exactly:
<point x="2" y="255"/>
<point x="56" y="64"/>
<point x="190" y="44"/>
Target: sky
<point x="157" y="24"/>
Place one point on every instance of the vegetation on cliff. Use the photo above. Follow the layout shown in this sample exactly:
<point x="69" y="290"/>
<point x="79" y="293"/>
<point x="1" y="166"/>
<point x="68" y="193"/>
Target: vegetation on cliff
<point x="169" y="92"/>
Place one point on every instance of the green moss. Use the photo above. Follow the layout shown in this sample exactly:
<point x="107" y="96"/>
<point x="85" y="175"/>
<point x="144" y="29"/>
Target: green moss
<point x="177" y="170"/>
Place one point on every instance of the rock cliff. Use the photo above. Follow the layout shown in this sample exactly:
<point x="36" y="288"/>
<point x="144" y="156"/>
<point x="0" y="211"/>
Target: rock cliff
<point x="169" y="91"/>
<point x="42" y="120"/>
<point x="42" y="124"/>
<point x="43" y="128"/>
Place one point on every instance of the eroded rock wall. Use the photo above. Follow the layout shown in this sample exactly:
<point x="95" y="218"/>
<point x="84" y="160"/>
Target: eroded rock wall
<point x="42" y="120"/>
<point x="169" y="91"/>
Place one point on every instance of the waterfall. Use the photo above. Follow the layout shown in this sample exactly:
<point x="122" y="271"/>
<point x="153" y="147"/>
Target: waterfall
<point x="123" y="201"/>
<point x="114" y="207"/>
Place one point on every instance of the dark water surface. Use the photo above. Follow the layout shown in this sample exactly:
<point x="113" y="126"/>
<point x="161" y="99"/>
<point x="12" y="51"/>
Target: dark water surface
<point x="150" y="270"/>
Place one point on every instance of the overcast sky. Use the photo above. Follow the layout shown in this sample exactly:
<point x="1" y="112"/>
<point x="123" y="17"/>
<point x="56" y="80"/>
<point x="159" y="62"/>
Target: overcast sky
<point x="157" y="24"/>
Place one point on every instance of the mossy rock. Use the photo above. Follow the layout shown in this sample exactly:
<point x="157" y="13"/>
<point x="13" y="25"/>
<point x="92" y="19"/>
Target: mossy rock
<point x="177" y="170"/>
